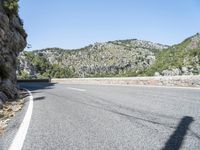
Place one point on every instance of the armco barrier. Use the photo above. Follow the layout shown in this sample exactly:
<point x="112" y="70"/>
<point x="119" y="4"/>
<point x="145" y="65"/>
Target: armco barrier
<point x="183" y="81"/>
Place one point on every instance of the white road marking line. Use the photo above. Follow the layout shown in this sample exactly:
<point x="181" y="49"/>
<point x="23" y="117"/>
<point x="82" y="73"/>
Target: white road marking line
<point x="18" y="141"/>
<point x="76" y="89"/>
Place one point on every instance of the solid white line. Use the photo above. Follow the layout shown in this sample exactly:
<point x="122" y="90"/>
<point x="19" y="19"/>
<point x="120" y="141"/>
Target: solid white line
<point x="18" y="141"/>
<point x="76" y="89"/>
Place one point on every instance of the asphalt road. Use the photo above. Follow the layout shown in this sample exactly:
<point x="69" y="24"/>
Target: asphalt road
<point x="92" y="117"/>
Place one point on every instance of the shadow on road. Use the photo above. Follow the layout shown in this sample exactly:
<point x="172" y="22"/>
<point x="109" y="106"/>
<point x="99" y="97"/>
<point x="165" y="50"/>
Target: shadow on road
<point x="32" y="86"/>
<point x="176" y="139"/>
<point x="39" y="98"/>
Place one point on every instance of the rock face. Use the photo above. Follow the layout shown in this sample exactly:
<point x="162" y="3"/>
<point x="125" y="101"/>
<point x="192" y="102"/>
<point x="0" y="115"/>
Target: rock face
<point x="12" y="42"/>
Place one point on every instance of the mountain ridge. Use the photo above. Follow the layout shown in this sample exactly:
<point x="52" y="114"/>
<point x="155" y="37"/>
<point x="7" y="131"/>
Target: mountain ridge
<point x="96" y="43"/>
<point x="130" y="57"/>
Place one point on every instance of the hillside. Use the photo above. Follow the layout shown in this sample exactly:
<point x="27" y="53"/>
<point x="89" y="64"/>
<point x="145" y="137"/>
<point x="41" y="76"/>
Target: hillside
<point x="115" y="58"/>
<point x="100" y="59"/>
<point x="180" y="59"/>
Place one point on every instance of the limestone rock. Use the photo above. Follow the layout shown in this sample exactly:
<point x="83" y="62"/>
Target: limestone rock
<point x="157" y="74"/>
<point x="171" y="72"/>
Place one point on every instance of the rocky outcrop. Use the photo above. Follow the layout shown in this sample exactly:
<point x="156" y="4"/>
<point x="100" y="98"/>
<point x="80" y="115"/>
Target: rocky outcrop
<point x="193" y="42"/>
<point x="24" y="64"/>
<point x="12" y="42"/>
<point x="186" y="70"/>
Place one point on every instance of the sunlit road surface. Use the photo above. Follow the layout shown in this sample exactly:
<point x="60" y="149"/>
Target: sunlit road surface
<point x="93" y="117"/>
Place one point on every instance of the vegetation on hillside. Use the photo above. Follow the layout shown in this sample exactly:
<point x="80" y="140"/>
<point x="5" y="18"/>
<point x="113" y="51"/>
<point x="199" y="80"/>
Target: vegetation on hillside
<point x="45" y="69"/>
<point x="124" y="58"/>
<point x="114" y="58"/>
<point x="11" y="6"/>
<point x="177" y="56"/>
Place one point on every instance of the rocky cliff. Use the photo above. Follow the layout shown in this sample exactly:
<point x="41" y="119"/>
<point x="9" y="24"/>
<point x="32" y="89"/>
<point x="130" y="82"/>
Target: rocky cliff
<point x="12" y="42"/>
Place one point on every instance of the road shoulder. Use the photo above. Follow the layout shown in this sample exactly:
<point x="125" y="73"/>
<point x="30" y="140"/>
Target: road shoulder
<point x="13" y="126"/>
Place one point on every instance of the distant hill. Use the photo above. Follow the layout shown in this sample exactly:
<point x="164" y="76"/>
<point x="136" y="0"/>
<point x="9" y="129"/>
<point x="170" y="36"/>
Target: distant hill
<point x="114" y="58"/>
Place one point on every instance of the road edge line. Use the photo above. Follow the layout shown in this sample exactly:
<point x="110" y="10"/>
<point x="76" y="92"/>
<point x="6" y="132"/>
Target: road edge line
<point x="76" y="89"/>
<point x="19" y="138"/>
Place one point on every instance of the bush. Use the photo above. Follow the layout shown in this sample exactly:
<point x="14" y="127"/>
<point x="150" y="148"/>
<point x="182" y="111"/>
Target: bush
<point x="11" y="6"/>
<point x="24" y="75"/>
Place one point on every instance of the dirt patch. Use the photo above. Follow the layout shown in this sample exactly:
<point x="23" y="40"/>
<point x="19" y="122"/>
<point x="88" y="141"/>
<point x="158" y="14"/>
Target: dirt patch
<point x="9" y="110"/>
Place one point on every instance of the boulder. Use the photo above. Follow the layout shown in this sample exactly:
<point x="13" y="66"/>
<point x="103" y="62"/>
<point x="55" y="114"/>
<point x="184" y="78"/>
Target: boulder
<point x="185" y="70"/>
<point x="171" y="72"/>
<point x="157" y="74"/>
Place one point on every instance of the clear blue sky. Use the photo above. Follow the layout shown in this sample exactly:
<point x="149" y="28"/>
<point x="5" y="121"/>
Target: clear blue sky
<point x="77" y="23"/>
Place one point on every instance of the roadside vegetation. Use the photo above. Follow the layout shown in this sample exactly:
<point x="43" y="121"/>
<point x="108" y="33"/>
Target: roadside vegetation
<point x="11" y="6"/>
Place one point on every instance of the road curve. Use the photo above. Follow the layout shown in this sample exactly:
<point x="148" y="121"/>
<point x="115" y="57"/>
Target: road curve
<point x="89" y="117"/>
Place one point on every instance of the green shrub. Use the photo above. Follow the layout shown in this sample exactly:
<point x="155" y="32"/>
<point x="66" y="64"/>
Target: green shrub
<point x="11" y="6"/>
<point x="24" y="75"/>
